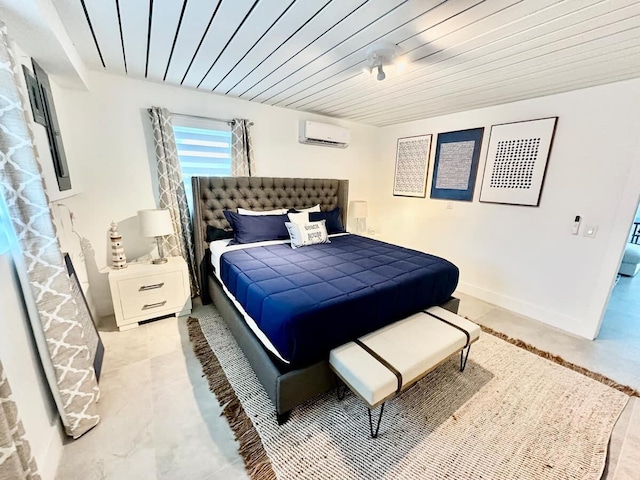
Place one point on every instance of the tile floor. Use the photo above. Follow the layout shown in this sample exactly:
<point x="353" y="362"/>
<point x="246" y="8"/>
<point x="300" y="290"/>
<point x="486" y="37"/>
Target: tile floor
<point x="159" y="420"/>
<point x="621" y="323"/>
<point x="615" y="353"/>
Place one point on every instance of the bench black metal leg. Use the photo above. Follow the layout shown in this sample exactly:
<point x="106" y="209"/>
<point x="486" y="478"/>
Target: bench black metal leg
<point x="375" y="434"/>
<point x="463" y="357"/>
<point x="283" y="417"/>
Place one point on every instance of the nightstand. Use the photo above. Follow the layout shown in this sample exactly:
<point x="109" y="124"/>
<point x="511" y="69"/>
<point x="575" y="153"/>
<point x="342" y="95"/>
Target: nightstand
<point x="143" y="291"/>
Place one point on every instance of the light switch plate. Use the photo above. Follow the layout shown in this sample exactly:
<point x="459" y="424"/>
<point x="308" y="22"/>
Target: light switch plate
<point x="591" y="231"/>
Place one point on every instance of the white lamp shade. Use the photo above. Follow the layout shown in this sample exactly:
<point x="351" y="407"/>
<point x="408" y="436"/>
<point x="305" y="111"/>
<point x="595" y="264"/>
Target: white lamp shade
<point x="155" y="223"/>
<point x="358" y="209"/>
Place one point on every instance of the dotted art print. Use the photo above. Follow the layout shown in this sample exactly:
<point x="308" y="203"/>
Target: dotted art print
<point x="517" y="158"/>
<point x="514" y="163"/>
<point x="412" y="161"/>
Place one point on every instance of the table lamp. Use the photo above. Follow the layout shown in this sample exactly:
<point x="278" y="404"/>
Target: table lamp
<point x="358" y="209"/>
<point x="156" y="223"/>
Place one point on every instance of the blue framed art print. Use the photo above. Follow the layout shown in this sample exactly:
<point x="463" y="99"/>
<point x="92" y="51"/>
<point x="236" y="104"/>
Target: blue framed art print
<point x="456" y="164"/>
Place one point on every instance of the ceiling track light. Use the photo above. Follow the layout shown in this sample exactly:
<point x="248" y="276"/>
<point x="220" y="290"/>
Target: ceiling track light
<point x="380" y="55"/>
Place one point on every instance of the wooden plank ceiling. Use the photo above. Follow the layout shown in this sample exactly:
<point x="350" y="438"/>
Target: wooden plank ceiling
<point x="309" y="54"/>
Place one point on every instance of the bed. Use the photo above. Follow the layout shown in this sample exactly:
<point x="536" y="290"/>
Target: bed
<point x="292" y="362"/>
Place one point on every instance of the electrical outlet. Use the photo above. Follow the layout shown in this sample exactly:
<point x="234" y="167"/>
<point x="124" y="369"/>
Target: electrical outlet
<point x="591" y="231"/>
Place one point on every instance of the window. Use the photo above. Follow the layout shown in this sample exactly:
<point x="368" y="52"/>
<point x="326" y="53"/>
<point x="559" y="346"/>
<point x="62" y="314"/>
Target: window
<point x="204" y="149"/>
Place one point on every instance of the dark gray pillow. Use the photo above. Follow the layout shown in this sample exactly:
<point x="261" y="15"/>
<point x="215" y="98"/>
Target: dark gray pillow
<point x="214" y="233"/>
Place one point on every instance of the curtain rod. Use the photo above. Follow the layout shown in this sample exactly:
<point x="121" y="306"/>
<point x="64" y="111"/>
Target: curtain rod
<point x="224" y="120"/>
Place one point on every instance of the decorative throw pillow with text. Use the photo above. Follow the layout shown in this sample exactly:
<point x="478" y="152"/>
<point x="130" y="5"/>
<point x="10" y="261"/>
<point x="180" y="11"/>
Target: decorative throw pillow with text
<point x="308" y="233"/>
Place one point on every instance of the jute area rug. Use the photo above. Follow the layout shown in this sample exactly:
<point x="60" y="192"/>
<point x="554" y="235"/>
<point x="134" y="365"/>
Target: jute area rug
<point x="510" y="414"/>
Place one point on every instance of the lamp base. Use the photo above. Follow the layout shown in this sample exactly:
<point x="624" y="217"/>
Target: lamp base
<point x="162" y="259"/>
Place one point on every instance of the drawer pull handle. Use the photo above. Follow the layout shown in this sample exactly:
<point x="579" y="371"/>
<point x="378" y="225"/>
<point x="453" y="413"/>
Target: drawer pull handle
<point x="154" y="305"/>
<point x="144" y="288"/>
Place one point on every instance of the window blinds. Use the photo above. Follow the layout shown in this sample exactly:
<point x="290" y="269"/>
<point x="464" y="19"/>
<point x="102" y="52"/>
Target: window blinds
<point x="202" y="152"/>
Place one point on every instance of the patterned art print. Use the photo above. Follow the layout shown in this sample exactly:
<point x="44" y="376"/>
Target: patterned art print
<point x="412" y="162"/>
<point x="516" y="162"/>
<point x="456" y="164"/>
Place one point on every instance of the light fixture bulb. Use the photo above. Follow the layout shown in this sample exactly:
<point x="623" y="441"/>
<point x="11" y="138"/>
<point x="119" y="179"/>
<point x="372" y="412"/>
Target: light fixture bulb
<point x="384" y="54"/>
<point x="401" y="63"/>
<point x="366" y="69"/>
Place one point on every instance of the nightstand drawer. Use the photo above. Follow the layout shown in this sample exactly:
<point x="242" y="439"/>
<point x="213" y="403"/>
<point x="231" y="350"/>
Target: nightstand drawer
<point x="170" y="300"/>
<point x="150" y="285"/>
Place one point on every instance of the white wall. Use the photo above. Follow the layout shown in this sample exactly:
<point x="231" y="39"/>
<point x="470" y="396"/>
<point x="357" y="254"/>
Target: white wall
<point x="525" y="258"/>
<point x="107" y="136"/>
<point x="23" y="369"/>
<point x="521" y="258"/>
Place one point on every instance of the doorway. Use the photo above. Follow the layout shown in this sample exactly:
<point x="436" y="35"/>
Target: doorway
<point x="621" y="320"/>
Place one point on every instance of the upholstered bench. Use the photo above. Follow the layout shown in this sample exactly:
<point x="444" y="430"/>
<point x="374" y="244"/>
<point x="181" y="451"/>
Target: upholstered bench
<point x="630" y="260"/>
<point x="386" y="362"/>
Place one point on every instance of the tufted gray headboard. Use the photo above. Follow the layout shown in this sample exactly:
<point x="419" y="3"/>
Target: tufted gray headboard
<point x="212" y="195"/>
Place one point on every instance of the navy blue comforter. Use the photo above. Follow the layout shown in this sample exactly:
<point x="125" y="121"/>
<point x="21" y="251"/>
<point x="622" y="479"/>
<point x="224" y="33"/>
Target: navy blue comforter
<point x="315" y="298"/>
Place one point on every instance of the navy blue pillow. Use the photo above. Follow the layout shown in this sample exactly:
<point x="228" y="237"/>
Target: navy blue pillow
<point x="257" y="228"/>
<point x="333" y="220"/>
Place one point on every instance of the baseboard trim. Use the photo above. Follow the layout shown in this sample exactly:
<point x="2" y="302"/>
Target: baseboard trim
<point x="563" y="322"/>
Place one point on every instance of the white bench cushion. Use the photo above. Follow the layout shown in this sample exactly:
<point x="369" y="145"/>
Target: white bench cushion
<point x="413" y="346"/>
<point x="365" y="375"/>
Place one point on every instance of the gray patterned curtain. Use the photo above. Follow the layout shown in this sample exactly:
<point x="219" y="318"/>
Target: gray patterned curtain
<point x="172" y="195"/>
<point x="243" y="163"/>
<point x="62" y="347"/>
<point x="16" y="460"/>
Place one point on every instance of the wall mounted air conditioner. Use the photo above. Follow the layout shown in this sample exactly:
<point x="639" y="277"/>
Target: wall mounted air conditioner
<point x="315" y="133"/>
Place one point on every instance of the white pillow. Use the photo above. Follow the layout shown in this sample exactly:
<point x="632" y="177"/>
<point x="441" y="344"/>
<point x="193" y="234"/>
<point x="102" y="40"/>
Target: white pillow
<point x="256" y="213"/>
<point x="315" y="208"/>
<point x="309" y="233"/>
<point x="302" y="217"/>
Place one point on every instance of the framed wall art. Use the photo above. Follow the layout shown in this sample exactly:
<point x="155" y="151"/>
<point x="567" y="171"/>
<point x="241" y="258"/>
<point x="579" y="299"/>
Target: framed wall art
<point x="517" y="161"/>
<point x="37" y="107"/>
<point x="456" y="164"/>
<point x="91" y="335"/>
<point x="53" y="128"/>
<point x="412" y="163"/>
